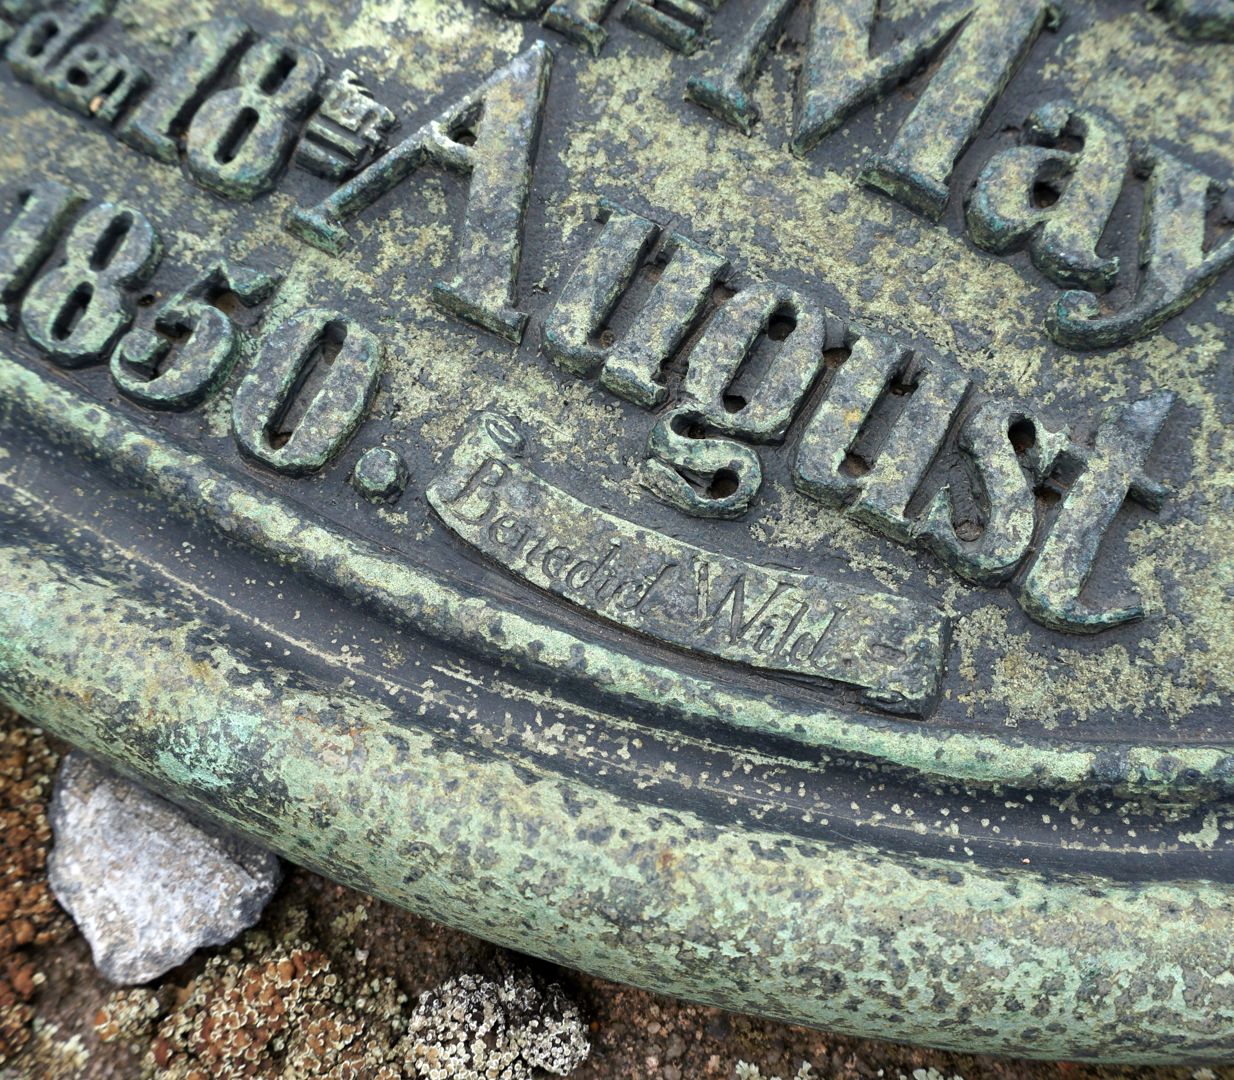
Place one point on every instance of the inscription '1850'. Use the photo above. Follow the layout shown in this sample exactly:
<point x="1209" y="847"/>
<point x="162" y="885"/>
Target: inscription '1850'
<point x="889" y="648"/>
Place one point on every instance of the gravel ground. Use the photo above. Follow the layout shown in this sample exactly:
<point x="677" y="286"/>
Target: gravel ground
<point x="327" y="984"/>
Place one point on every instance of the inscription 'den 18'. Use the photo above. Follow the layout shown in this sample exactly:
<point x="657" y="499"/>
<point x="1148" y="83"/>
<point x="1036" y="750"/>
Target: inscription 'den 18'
<point x="241" y="108"/>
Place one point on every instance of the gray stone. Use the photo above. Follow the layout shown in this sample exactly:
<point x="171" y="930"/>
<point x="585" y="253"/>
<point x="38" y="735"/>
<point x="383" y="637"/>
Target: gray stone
<point x="146" y="884"/>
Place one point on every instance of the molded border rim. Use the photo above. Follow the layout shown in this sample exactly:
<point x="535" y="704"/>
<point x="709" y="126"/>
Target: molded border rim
<point x="429" y="604"/>
<point x="920" y="950"/>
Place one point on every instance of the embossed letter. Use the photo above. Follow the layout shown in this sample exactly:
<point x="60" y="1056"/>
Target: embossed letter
<point x="261" y="408"/>
<point x="1055" y="200"/>
<point x="491" y="136"/>
<point x="988" y="552"/>
<point x="204" y="54"/>
<point x="680" y="24"/>
<point x="1112" y="471"/>
<point x="520" y="9"/>
<point x="840" y="76"/>
<point x="43" y="212"/>
<point x="916" y="167"/>
<point x="241" y="137"/>
<point x="1202" y="20"/>
<point x="764" y="412"/>
<point x="579" y="20"/>
<point x="1175" y="267"/>
<point x="631" y="365"/>
<point x="77" y="310"/>
<point x="831" y="466"/>
<point x="43" y="41"/>
<point x="700" y="475"/>
<point x="690" y="467"/>
<point x="204" y="358"/>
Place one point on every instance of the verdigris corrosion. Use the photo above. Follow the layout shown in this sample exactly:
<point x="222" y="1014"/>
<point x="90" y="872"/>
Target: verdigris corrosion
<point x="729" y="496"/>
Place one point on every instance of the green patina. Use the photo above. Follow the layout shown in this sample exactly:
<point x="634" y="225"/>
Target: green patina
<point x="799" y="923"/>
<point x="438" y="607"/>
<point x="748" y="921"/>
<point x="1203" y="20"/>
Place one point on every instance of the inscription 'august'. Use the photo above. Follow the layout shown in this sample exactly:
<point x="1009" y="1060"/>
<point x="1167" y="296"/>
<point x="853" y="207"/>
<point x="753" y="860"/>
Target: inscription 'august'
<point x="703" y="452"/>
<point x="874" y="436"/>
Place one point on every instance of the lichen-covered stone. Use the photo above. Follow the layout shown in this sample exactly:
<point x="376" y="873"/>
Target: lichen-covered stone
<point x="508" y="1030"/>
<point x="299" y="1001"/>
<point x="145" y="883"/>
<point x="272" y="1006"/>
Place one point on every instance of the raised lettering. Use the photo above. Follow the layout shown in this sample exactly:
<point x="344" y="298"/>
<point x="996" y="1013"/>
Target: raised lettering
<point x="188" y="355"/>
<point x="76" y="311"/>
<point x="774" y="318"/>
<point x="346" y="132"/>
<point x="266" y="422"/>
<point x="489" y="135"/>
<point x="95" y="81"/>
<point x="916" y="168"/>
<point x="982" y="524"/>
<point x="1112" y="472"/>
<point x="204" y="55"/>
<point x="520" y="9"/>
<point x="43" y="41"/>
<point x="1055" y="201"/>
<point x="594" y="289"/>
<point x="820" y="469"/>
<point x="880" y="477"/>
<point x="1176" y="266"/>
<point x="697" y="473"/>
<point x="240" y="139"/>
<point x="725" y="90"/>
<point x="679" y="24"/>
<point x="935" y="396"/>
<point x="632" y="363"/>
<point x="1200" y="20"/>
<point x="888" y="648"/>
<point x="579" y="20"/>
<point x="43" y="213"/>
<point x="840" y="76"/>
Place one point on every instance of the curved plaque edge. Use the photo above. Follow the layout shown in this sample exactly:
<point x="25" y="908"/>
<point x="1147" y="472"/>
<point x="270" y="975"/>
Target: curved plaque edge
<point x="746" y="919"/>
<point x="417" y="597"/>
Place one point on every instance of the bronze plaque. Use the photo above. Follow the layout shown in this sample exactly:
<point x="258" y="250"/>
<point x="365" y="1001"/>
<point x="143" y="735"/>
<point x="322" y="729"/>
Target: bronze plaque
<point x="734" y="496"/>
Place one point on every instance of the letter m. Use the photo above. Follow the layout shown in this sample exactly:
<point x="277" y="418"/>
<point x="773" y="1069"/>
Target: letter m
<point x="988" y="40"/>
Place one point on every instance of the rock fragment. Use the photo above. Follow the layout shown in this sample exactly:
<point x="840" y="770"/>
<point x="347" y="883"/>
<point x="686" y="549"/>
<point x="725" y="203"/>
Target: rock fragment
<point x="146" y="884"/>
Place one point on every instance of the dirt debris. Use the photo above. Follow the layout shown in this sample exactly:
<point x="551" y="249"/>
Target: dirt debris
<point x="29" y="916"/>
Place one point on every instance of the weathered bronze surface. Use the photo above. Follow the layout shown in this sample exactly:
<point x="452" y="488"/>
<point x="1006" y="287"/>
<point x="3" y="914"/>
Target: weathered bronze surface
<point x="733" y="496"/>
